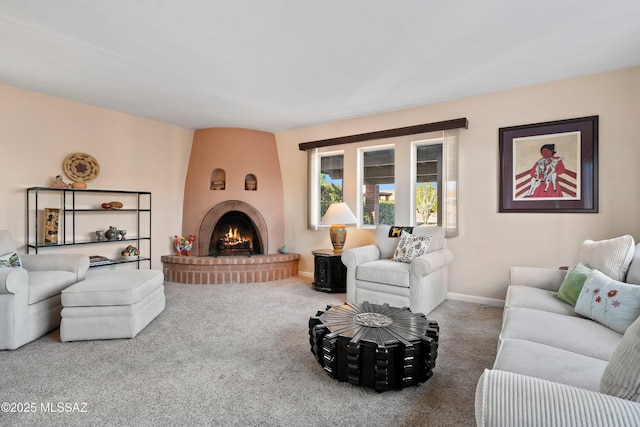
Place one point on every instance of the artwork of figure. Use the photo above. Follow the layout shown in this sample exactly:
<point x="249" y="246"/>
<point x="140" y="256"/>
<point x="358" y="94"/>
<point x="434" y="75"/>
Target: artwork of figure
<point x="545" y="172"/>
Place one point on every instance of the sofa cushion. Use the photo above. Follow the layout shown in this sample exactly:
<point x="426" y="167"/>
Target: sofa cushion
<point x="45" y="284"/>
<point x="633" y="275"/>
<point x="396" y="230"/>
<point x="387" y="245"/>
<point x="612" y="256"/>
<point x="10" y="260"/>
<point x="124" y="287"/>
<point x="384" y="271"/>
<point x="410" y="246"/>
<point x="610" y="302"/>
<point x="621" y="377"/>
<point x="574" y="334"/>
<point x="437" y="236"/>
<point x="572" y="285"/>
<point x="550" y="363"/>
<point x="540" y="299"/>
<point x="508" y="399"/>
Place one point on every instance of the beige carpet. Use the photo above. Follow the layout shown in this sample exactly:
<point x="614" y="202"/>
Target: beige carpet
<point x="238" y="355"/>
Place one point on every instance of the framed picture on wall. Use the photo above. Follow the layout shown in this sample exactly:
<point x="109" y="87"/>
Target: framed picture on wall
<point x="549" y="167"/>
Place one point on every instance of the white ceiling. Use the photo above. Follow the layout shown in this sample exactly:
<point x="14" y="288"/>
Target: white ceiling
<point x="281" y="64"/>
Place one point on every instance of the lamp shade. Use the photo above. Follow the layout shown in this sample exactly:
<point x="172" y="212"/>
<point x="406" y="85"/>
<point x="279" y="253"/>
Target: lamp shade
<point x="339" y="213"/>
<point x="337" y="216"/>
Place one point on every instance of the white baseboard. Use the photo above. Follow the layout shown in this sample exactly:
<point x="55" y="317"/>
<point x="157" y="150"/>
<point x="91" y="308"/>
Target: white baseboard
<point x="305" y="274"/>
<point x="475" y="299"/>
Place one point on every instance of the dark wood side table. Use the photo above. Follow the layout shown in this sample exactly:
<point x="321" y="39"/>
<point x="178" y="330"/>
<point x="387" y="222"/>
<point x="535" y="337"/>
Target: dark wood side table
<point x="329" y="273"/>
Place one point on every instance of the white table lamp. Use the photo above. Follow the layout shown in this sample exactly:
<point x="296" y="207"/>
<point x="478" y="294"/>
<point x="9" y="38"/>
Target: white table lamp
<point x="337" y="216"/>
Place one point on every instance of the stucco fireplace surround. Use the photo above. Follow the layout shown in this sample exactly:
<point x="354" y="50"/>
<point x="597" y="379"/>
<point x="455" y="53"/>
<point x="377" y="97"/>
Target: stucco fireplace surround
<point x="237" y="171"/>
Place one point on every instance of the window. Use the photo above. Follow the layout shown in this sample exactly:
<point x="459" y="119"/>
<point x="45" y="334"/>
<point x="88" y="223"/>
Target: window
<point x="410" y="179"/>
<point x="325" y="183"/>
<point x="428" y="181"/>
<point x="330" y="180"/>
<point x="378" y="187"/>
<point x="435" y="183"/>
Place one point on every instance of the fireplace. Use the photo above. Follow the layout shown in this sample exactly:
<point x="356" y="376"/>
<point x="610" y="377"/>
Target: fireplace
<point x="222" y="185"/>
<point x="233" y="228"/>
<point x="235" y="234"/>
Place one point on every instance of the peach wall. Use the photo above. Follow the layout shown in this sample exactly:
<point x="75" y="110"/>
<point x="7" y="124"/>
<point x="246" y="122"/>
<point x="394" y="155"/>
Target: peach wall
<point x="38" y="131"/>
<point x="491" y="242"/>
<point x="238" y="152"/>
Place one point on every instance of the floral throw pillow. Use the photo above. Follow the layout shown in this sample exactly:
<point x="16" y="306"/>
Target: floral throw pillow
<point x="609" y="302"/>
<point x="10" y="260"/>
<point x="410" y="247"/>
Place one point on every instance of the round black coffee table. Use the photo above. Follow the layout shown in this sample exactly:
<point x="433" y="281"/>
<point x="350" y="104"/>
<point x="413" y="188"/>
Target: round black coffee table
<point x="374" y="345"/>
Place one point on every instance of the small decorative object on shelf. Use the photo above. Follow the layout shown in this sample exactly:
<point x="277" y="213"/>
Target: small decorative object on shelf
<point x="100" y="235"/>
<point x="59" y="183"/>
<point x="217" y="185"/>
<point x="283" y="250"/>
<point x="51" y="226"/>
<point x="183" y="245"/>
<point x="112" y="205"/>
<point x="130" y="251"/>
<point x="95" y="260"/>
<point x="121" y="234"/>
<point x="250" y="182"/>
<point x="112" y="233"/>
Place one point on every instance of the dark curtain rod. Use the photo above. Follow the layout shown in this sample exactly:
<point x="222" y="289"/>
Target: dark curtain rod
<point x="389" y="133"/>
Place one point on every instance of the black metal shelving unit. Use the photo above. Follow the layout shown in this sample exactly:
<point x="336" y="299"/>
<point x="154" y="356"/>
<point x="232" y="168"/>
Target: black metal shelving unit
<point x="68" y="200"/>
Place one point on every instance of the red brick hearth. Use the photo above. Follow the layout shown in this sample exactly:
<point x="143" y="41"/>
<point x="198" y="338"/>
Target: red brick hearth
<point x="229" y="269"/>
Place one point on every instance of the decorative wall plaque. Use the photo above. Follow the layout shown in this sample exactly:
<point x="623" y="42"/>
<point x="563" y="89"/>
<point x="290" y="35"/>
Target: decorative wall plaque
<point x="81" y="167"/>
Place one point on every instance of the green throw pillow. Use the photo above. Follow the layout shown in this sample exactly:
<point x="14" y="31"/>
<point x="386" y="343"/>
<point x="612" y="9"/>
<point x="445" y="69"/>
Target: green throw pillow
<point x="572" y="286"/>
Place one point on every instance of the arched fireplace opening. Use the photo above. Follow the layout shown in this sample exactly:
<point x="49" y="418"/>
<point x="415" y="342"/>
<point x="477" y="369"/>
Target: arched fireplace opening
<point x="208" y="243"/>
<point x="235" y="234"/>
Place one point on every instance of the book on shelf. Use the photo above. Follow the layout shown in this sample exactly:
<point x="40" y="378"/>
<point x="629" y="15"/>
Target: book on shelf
<point x="99" y="260"/>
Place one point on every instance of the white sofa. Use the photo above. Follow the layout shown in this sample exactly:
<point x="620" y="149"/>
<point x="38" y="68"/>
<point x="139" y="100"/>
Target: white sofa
<point x="30" y="302"/>
<point x="420" y="285"/>
<point x="555" y="367"/>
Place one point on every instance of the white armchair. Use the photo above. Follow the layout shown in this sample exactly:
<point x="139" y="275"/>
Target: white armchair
<point x="422" y="285"/>
<point x="30" y="295"/>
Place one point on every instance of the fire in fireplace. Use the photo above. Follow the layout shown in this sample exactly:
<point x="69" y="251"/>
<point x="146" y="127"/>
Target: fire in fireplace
<point x="235" y="234"/>
<point x="233" y="242"/>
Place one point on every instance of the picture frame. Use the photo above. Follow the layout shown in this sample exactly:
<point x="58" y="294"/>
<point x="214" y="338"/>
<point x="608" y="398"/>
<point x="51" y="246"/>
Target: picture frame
<point x="549" y="167"/>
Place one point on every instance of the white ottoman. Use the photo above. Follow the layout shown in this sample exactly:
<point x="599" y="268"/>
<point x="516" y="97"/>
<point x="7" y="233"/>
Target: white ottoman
<point x="117" y="304"/>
